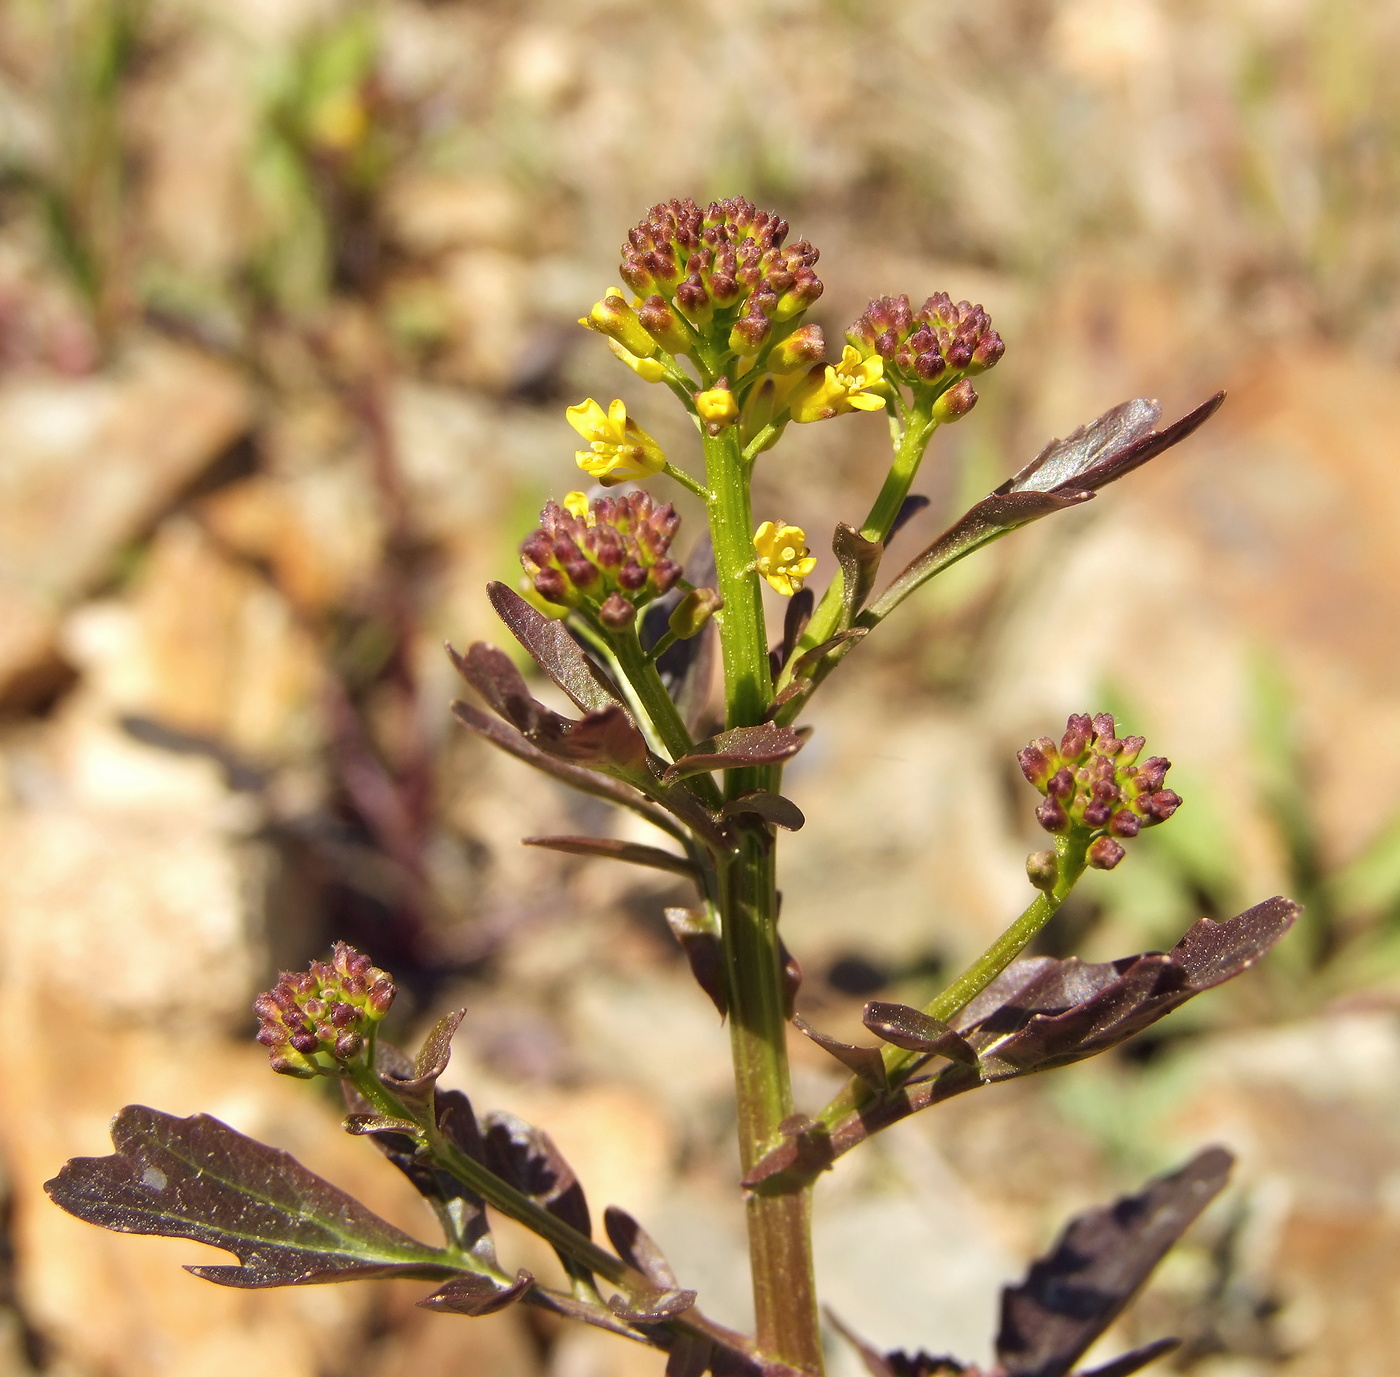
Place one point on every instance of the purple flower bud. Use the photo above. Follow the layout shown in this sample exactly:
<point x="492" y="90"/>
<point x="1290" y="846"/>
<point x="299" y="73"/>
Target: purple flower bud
<point x="552" y="586"/>
<point x="1052" y="816"/>
<point x="348" y="1044"/>
<point x="1075" y="741"/>
<point x="617" y="613"/>
<point x="1034" y="765"/>
<point x="1124" y="823"/>
<point x="1061" y="784"/>
<point x="1105" y="853"/>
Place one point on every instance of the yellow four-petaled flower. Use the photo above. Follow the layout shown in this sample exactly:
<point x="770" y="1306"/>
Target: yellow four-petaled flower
<point x="618" y="448"/>
<point x="783" y="558"/>
<point x="839" y="387"/>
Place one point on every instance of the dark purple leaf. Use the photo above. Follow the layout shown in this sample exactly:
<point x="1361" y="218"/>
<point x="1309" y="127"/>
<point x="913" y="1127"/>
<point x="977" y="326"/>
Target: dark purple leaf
<point x="555" y="651"/>
<point x="689" y="1356"/>
<point x="774" y="808"/>
<point x="637" y="1248"/>
<point x="476" y="1295"/>
<point x="416" y="1087"/>
<point x="610" y="848"/>
<point x="1042" y="1013"/>
<point x="806" y="664"/>
<point x="859" y="559"/>
<point x="703" y="950"/>
<point x="737" y="748"/>
<point x="604" y="739"/>
<point x="1106" y="449"/>
<point x="916" y="1031"/>
<point x="526" y="1158"/>
<point x="866" y="1062"/>
<point x="508" y="739"/>
<point x="795" y="619"/>
<point x="597" y="1315"/>
<point x="197" y="1178"/>
<point x="1072" y="1294"/>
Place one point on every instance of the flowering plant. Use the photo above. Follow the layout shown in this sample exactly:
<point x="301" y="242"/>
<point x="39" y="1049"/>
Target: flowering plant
<point x="716" y="316"/>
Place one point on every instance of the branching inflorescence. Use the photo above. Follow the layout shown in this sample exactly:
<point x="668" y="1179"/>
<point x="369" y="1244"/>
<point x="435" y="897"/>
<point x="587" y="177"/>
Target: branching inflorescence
<point x="715" y="315"/>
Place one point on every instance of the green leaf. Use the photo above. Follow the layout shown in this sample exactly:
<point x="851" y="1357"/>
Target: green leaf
<point x="198" y="1178"/>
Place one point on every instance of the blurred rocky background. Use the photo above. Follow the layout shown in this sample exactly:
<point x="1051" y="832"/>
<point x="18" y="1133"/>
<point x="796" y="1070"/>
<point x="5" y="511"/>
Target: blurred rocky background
<point x="287" y="304"/>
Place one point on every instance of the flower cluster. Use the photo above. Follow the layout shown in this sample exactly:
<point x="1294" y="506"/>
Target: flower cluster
<point x="619" y="450"/>
<point x="1092" y="782"/>
<point x="783" y="557"/>
<point x="937" y="343"/>
<point x="609" y="556"/>
<point x="729" y="258"/>
<point x="315" y="1021"/>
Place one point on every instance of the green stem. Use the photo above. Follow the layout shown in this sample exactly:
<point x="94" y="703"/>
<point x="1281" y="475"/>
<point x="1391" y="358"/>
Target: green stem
<point x="779" y="1223"/>
<point x="686" y="481"/>
<point x="908" y="455"/>
<point x="748" y="684"/>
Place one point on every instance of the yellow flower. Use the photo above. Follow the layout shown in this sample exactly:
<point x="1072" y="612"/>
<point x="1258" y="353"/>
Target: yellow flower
<point x="618" y="448"/>
<point x="783" y="558"/>
<point x="717" y="408"/>
<point x="576" y="504"/>
<point x="839" y="387"/>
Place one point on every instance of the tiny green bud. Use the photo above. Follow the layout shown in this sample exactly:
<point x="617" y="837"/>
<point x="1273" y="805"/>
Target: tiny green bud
<point x="1042" y="869"/>
<point x="693" y="611"/>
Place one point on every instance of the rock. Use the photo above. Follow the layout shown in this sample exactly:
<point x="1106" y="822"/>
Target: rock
<point x="89" y="464"/>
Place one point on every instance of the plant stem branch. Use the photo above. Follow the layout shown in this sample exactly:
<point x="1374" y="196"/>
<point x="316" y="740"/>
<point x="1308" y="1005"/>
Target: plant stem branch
<point x="779" y="1223"/>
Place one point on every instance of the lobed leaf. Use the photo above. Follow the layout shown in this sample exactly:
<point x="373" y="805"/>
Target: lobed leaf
<point x="1073" y="1293"/>
<point x="198" y="1178"/>
<point x="916" y="1031"/>
<point x="1106" y="449"/>
<point x="764" y="744"/>
<point x="476" y="1295"/>
<point x="1042" y="1012"/>
<point x="509" y="739"/>
<point x="703" y="951"/>
<point x="867" y="1063"/>
<point x="525" y="1157"/>
<point x="555" y="651"/>
<point x="774" y="808"/>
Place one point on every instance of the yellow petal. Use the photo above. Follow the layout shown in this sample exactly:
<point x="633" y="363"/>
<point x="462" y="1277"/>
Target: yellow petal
<point x="588" y="419"/>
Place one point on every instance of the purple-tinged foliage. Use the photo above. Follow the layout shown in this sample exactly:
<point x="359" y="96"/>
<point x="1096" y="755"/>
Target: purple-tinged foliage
<point x="197" y="1178"/>
<point x="703" y="950"/>
<point x="1043" y="1012"/>
<point x="555" y="651"/>
<point x="1073" y="1293"/>
<point x="739" y="747"/>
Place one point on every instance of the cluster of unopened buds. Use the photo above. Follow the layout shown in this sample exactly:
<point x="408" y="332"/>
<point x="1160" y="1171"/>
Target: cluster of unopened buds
<point x="317" y="1021"/>
<point x="607" y="557"/>
<point x="1094" y="785"/>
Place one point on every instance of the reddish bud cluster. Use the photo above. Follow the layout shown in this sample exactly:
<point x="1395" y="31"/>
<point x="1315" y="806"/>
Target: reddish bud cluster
<point x="314" y="1021"/>
<point x="1092" y="781"/>
<point x="922" y="346"/>
<point x="729" y="257"/>
<point x="613" y="557"/>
